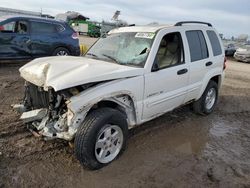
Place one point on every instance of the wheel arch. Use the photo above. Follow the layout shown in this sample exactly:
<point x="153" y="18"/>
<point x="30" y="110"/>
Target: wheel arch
<point x="61" y="46"/>
<point x="217" y="78"/>
<point x="123" y="103"/>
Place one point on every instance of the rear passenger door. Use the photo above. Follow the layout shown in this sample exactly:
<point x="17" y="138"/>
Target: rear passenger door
<point x="198" y="60"/>
<point x="44" y="38"/>
<point x="217" y="54"/>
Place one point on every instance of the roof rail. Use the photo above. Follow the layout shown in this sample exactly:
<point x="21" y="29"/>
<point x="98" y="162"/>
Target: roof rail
<point x="195" y="22"/>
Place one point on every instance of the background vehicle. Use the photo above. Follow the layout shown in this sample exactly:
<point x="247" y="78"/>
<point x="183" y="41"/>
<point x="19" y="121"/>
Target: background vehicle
<point x="95" y="99"/>
<point x="90" y="28"/>
<point x="31" y="37"/>
<point x="243" y="54"/>
<point x="230" y="49"/>
<point x="83" y="25"/>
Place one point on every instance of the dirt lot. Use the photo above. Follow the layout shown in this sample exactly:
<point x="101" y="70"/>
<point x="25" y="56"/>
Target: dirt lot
<point x="88" y="41"/>
<point x="179" y="149"/>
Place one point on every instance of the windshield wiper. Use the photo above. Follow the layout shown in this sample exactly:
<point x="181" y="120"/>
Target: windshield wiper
<point x="131" y="64"/>
<point x="92" y="54"/>
<point x="110" y="57"/>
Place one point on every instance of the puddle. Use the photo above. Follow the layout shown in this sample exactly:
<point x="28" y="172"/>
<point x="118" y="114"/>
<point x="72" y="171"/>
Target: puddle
<point x="189" y="137"/>
<point x="221" y="128"/>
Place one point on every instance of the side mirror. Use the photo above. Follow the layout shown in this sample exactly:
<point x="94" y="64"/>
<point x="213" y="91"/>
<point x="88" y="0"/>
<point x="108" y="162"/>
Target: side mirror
<point x="155" y="66"/>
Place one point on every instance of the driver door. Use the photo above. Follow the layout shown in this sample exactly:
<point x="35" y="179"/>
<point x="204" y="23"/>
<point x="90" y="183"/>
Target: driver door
<point x="166" y="85"/>
<point x="14" y="39"/>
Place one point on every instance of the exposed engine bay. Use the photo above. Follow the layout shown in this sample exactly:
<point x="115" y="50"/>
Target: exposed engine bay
<point x="46" y="112"/>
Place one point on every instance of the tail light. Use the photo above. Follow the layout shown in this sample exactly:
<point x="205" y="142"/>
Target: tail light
<point x="225" y="63"/>
<point x="74" y="36"/>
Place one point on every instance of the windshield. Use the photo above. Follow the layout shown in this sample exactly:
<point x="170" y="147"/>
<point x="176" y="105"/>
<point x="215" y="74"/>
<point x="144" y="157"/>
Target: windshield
<point x="123" y="48"/>
<point x="3" y="18"/>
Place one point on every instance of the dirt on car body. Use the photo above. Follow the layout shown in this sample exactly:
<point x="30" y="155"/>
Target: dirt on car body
<point x="178" y="149"/>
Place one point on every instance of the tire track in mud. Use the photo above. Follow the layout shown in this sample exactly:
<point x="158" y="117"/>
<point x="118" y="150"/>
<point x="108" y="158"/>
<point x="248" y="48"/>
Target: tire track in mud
<point x="7" y="133"/>
<point x="241" y="113"/>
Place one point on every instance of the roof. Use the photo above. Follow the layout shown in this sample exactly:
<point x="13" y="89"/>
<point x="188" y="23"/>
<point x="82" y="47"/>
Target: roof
<point x="147" y="28"/>
<point x="155" y="28"/>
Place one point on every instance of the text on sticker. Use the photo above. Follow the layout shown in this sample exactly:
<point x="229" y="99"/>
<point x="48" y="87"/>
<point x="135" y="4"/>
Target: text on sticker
<point x="145" y="35"/>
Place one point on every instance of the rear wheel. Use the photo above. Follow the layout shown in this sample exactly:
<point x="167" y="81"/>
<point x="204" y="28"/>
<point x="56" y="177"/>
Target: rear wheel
<point x="61" y="52"/>
<point x="208" y="100"/>
<point x="101" y="138"/>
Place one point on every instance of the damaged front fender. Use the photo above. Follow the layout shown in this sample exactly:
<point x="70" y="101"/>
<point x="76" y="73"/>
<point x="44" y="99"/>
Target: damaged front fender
<point x="59" y="114"/>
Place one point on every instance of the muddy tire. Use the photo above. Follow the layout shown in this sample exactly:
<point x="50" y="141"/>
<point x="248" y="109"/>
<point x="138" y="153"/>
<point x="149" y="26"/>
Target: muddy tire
<point x="101" y="138"/>
<point x="61" y="52"/>
<point x="207" y="102"/>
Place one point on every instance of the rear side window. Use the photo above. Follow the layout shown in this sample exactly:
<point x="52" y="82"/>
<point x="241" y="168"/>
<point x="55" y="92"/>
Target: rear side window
<point x="197" y="45"/>
<point x="42" y="27"/>
<point x="215" y="43"/>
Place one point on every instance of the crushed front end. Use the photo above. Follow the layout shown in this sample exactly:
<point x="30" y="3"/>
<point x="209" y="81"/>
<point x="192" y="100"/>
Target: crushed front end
<point x="46" y="112"/>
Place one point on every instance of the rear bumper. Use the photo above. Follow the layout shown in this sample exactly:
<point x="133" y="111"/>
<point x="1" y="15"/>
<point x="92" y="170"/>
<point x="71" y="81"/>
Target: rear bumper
<point x="75" y="51"/>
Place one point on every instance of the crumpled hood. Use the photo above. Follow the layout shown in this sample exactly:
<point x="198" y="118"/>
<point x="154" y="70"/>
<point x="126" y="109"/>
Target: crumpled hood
<point x="65" y="72"/>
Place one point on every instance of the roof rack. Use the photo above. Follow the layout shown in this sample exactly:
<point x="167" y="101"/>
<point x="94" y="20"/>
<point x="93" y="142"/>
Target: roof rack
<point x="195" y="22"/>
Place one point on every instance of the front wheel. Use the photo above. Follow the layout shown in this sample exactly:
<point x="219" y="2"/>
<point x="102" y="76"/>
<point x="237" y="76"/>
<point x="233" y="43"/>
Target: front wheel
<point x="101" y="138"/>
<point x="206" y="104"/>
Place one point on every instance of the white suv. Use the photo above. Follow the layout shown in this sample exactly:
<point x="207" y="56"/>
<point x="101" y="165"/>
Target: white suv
<point x="128" y="77"/>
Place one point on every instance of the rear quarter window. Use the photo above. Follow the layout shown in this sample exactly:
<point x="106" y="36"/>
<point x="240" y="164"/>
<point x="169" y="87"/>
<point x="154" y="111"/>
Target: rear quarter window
<point x="215" y="43"/>
<point x="197" y="45"/>
<point x="59" y="28"/>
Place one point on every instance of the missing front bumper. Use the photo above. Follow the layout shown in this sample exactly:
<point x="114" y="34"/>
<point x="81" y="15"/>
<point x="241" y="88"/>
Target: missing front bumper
<point x="33" y="115"/>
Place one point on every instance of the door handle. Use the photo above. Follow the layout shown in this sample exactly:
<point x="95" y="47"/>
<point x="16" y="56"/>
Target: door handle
<point x="209" y="63"/>
<point x="182" y="71"/>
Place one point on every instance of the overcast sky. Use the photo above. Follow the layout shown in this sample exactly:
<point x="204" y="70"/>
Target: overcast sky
<point x="228" y="16"/>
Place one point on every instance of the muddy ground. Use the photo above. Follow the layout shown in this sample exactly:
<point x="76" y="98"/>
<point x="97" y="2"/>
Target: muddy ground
<point x="179" y="149"/>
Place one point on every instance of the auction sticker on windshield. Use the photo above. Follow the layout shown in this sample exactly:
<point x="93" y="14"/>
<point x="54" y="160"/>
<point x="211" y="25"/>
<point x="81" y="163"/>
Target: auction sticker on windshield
<point x="145" y="35"/>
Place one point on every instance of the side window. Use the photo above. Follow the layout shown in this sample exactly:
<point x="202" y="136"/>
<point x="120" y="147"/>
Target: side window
<point x="22" y="27"/>
<point x="42" y="27"/>
<point x="215" y="43"/>
<point x="170" y="51"/>
<point x="197" y="45"/>
<point x="8" y="27"/>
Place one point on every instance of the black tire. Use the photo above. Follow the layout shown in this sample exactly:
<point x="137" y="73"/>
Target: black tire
<point x="199" y="106"/>
<point x="57" y="51"/>
<point x="87" y="135"/>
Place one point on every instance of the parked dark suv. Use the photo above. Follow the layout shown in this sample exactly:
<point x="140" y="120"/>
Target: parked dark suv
<point x="30" y="37"/>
